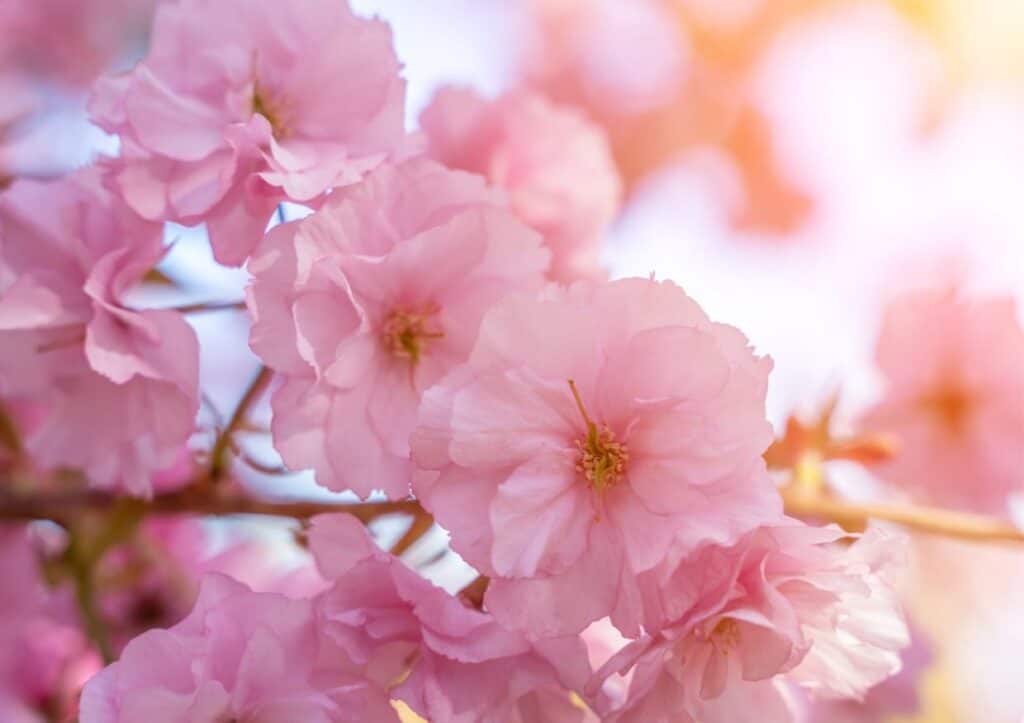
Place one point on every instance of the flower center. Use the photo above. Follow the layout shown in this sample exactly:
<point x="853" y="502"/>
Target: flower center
<point x="725" y="636"/>
<point x="600" y="458"/>
<point x="950" y="404"/>
<point x="265" y="107"/>
<point x="405" y="334"/>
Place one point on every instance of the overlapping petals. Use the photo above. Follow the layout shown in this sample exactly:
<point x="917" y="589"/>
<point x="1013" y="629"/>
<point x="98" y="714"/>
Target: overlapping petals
<point x="555" y="166"/>
<point x="445" y="660"/>
<point x="727" y="622"/>
<point x="592" y="432"/>
<point x="240" y="105"/>
<point x="120" y="386"/>
<point x="368" y="302"/>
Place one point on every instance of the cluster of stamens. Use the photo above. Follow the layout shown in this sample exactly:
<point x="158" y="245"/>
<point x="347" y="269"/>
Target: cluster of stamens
<point x="725" y="636"/>
<point x="601" y="459"/>
<point x="951" y="404"/>
<point x="405" y="334"/>
<point x="262" y="105"/>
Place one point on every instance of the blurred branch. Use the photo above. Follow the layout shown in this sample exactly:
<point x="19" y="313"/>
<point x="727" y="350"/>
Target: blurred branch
<point x="67" y="506"/>
<point x="219" y="453"/>
<point x="947" y="523"/>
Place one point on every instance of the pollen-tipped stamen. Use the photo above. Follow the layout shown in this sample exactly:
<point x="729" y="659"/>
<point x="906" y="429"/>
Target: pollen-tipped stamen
<point x="405" y="334"/>
<point x="601" y="459"/>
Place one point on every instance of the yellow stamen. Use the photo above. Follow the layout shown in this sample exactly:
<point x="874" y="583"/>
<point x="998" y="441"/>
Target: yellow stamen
<point x="602" y="459"/>
<point x="405" y="334"/>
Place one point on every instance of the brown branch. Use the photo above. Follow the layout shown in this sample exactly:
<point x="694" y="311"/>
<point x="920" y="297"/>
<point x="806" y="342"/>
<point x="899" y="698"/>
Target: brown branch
<point x="221" y="447"/>
<point x="421" y="523"/>
<point x="64" y="507"/>
<point x="473" y="593"/>
<point x="948" y="523"/>
<point x="206" y="306"/>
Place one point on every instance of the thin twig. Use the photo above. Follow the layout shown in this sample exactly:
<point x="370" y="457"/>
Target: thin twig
<point x="207" y="306"/>
<point x="67" y="506"/>
<point x="218" y="455"/>
<point x="958" y="525"/>
<point x="421" y="523"/>
<point x="473" y="593"/>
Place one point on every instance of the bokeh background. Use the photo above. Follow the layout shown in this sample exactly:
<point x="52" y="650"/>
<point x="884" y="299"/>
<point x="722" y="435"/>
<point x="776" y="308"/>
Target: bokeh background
<point x="793" y="164"/>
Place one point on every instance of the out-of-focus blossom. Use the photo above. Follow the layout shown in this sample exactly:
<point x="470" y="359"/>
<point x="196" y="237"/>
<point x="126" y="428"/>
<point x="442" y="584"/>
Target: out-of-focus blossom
<point x="895" y="696"/>
<point x="119" y="385"/>
<point x="240" y="105"/>
<point x="725" y="622"/>
<point x="954" y="370"/>
<point x="446" y="661"/>
<point x="239" y="655"/>
<point x="668" y="77"/>
<point x="41" y="645"/>
<point x="591" y="432"/>
<point x="19" y="102"/>
<point x="554" y="164"/>
<point x="70" y="41"/>
<point x="365" y="304"/>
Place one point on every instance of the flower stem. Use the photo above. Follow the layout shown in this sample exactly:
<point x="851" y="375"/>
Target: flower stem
<point x="221" y="447"/>
<point x="208" y="306"/>
<point x="947" y="523"/>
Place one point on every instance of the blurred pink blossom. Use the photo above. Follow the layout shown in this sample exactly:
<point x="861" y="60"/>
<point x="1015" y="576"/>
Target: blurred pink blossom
<point x="119" y="385"/>
<point x="368" y="302"/>
<point x="954" y="399"/>
<point x="554" y="164"/>
<point x="41" y="645"/>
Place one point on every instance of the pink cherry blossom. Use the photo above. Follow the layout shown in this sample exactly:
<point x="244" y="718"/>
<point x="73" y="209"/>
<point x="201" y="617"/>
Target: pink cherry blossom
<point x="41" y="644"/>
<point x="591" y="432"/>
<point x="954" y="399"/>
<point x="119" y="385"/>
<point x="726" y="622"/>
<point x="895" y="696"/>
<point x="240" y="105"/>
<point x="446" y="661"/>
<point x="152" y="580"/>
<point x="554" y="164"/>
<point x="371" y="300"/>
<point x="239" y="655"/>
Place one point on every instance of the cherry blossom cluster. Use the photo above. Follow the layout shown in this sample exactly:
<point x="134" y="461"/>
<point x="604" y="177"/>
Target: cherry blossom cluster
<point x="440" y="332"/>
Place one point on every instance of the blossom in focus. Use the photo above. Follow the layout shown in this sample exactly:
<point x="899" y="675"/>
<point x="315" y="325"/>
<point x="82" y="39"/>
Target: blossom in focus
<point x="119" y="386"/>
<point x="954" y="398"/>
<point x="592" y="431"/>
<point x="726" y="621"/>
<point x="445" y="660"/>
<point x="239" y="655"/>
<point x="554" y="165"/>
<point x="368" y="302"/>
<point x="240" y="105"/>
